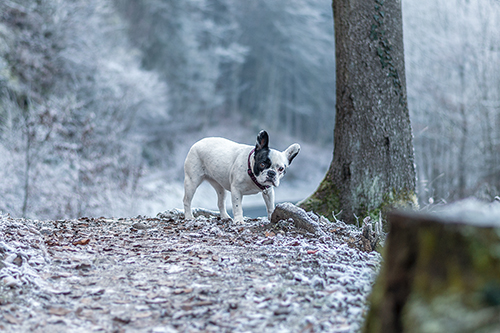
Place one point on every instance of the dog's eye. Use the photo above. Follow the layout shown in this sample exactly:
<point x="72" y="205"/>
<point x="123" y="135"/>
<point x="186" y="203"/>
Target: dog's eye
<point x="262" y="165"/>
<point x="281" y="169"/>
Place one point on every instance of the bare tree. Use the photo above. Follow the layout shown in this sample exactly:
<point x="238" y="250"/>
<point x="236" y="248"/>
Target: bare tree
<point x="372" y="166"/>
<point x="71" y="90"/>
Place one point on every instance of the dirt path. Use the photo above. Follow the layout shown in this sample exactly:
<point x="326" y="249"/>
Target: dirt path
<point x="166" y="274"/>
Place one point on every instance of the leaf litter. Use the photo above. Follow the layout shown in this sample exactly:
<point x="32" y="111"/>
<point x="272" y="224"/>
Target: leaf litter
<point x="166" y="274"/>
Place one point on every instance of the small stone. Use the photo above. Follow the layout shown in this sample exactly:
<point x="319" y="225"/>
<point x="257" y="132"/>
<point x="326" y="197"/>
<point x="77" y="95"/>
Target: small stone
<point x="18" y="260"/>
<point x="123" y="318"/>
<point x="139" y="226"/>
<point x="282" y="311"/>
<point x="318" y="283"/>
<point x="10" y="282"/>
<point x="46" y="231"/>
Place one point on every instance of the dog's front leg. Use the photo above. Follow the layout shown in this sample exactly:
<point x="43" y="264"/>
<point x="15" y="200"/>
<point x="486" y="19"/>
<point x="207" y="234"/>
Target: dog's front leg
<point x="236" y="198"/>
<point x="268" y="196"/>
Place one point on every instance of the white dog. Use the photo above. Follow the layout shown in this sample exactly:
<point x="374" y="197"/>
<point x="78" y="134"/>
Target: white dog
<point x="238" y="168"/>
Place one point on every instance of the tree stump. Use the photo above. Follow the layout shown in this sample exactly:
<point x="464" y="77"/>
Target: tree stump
<point x="441" y="272"/>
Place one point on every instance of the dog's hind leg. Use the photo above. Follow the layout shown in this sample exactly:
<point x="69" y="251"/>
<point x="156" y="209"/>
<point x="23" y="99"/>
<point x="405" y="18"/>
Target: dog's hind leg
<point x="221" y="198"/>
<point x="191" y="183"/>
<point x="236" y="198"/>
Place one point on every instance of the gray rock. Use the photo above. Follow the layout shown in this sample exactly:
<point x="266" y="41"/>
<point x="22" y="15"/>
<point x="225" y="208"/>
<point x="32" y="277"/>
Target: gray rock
<point x="300" y="217"/>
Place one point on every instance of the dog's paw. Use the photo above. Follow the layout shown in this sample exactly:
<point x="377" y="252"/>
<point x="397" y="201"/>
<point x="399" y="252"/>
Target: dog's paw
<point x="239" y="220"/>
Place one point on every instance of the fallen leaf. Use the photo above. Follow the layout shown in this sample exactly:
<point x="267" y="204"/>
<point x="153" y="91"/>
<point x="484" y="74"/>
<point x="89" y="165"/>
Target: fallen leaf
<point x="11" y="319"/>
<point x="312" y="251"/>
<point x="121" y="301"/>
<point x="82" y="242"/>
<point x="136" y="293"/>
<point x="83" y="266"/>
<point x="144" y="314"/>
<point x="97" y="291"/>
<point x="122" y="319"/>
<point x="152" y="295"/>
<point x="51" y="242"/>
<point x="166" y="283"/>
<point x="187" y="307"/>
<point x="59" y="311"/>
<point x="183" y="291"/>
<point x="86" y="300"/>
<point x="60" y="275"/>
<point x="59" y="292"/>
<point x="268" y="241"/>
<point x="203" y="303"/>
<point x="270" y="264"/>
<point x="156" y="301"/>
<point x="269" y="233"/>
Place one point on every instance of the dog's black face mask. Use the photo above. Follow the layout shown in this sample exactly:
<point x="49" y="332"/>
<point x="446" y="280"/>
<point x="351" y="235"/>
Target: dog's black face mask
<point x="262" y="160"/>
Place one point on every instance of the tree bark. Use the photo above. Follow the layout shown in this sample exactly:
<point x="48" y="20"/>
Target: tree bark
<point x="373" y="164"/>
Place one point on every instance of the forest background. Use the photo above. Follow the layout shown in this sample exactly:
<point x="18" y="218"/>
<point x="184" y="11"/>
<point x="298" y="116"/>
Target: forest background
<point x="101" y="99"/>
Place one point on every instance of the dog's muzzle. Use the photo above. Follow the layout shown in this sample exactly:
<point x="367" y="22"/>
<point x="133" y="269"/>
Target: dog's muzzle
<point x="271" y="177"/>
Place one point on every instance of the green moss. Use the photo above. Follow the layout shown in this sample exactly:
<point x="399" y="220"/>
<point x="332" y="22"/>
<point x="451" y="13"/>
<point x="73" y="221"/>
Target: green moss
<point x="325" y="200"/>
<point x="393" y="199"/>
<point x="403" y="198"/>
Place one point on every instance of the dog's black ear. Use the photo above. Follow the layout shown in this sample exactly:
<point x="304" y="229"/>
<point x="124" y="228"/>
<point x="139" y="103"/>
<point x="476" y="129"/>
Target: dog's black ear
<point x="262" y="140"/>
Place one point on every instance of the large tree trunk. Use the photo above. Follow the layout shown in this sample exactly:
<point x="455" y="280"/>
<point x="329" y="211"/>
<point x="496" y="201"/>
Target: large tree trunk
<point x="373" y="165"/>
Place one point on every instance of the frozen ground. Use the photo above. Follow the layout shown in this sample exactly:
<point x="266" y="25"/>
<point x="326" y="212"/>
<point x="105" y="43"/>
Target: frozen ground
<point x="165" y="274"/>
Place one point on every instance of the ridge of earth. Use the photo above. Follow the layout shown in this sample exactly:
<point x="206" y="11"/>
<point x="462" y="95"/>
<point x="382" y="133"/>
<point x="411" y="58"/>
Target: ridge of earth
<point x="167" y="274"/>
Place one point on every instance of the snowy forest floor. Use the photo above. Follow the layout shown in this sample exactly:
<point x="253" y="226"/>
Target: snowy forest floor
<point x="166" y="274"/>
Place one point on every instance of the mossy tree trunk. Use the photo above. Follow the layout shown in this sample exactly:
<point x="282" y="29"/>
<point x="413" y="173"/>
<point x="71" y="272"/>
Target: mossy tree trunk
<point x="373" y="163"/>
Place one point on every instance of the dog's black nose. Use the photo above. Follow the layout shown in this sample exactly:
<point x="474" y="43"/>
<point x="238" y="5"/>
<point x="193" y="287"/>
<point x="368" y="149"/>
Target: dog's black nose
<point x="271" y="173"/>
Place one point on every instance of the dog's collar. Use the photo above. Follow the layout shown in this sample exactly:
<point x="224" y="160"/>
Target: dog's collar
<point x="252" y="176"/>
